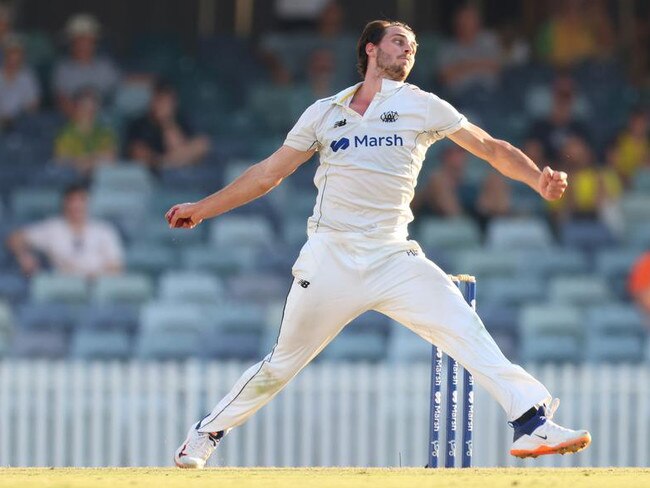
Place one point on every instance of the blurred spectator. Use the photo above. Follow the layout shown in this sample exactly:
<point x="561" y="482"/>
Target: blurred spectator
<point x="163" y="138"/>
<point x="321" y="74"/>
<point x="593" y="191"/>
<point x="84" y="68"/>
<point x="494" y="199"/>
<point x="473" y="58"/>
<point x="445" y="192"/>
<point x="6" y="22"/>
<point x="633" y="145"/>
<point x="560" y="124"/>
<point x="639" y="284"/>
<point x="19" y="90"/>
<point x="515" y="50"/>
<point x="577" y="30"/>
<point x="541" y="98"/>
<point x="72" y="243"/>
<point x="85" y="143"/>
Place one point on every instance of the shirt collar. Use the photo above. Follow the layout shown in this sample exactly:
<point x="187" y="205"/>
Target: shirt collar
<point x="387" y="87"/>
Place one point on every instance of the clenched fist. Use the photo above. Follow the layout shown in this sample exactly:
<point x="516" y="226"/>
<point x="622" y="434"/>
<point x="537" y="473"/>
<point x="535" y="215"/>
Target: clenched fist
<point x="552" y="184"/>
<point x="183" y="216"/>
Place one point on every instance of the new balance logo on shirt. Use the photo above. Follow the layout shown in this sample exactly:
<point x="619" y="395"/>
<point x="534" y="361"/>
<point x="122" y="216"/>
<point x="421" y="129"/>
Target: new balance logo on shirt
<point x="367" y="141"/>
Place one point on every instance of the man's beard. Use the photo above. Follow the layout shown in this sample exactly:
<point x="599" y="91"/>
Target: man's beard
<point x="394" y="71"/>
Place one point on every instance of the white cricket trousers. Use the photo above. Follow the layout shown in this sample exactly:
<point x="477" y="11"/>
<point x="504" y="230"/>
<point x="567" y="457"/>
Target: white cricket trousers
<point x="339" y="276"/>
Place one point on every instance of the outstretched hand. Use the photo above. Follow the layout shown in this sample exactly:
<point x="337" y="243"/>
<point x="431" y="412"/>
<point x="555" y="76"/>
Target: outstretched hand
<point x="552" y="184"/>
<point x="183" y="216"/>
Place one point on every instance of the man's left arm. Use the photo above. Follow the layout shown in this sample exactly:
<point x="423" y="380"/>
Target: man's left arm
<point x="510" y="161"/>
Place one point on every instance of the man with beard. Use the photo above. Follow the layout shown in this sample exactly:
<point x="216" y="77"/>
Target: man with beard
<point x="372" y="139"/>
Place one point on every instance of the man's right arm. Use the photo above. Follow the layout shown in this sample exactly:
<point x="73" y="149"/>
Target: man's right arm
<point x="256" y="181"/>
<point x="17" y="243"/>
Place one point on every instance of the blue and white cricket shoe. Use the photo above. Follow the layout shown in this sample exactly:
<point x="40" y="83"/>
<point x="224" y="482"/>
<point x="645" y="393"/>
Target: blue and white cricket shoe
<point x="540" y="435"/>
<point x="197" y="448"/>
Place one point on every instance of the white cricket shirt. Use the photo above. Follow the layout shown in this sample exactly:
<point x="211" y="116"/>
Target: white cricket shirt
<point x="369" y="164"/>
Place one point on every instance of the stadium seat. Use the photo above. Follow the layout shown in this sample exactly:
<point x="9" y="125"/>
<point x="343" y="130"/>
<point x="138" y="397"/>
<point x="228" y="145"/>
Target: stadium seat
<point x="239" y="316"/>
<point x="150" y="258"/>
<point x="126" y="289"/>
<point x="371" y="322"/>
<point x="615" y="319"/>
<point x="551" y="332"/>
<point x="13" y="287"/>
<point x="614" y="349"/>
<point x="94" y="344"/>
<point x="50" y="287"/>
<point x="110" y="317"/>
<point x="406" y="346"/>
<point x="169" y="345"/>
<point x="518" y="233"/>
<point x="635" y="208"/>
<point x="240" y="231"/>
<point x="49" y="316"/>
<point x="225" y="262"/>
<point x="516" y="290"/>
<point x="39" y="344"/>
<point x="190" y="287"/>
<point x="448" y="234"/>
<point x="486" y="263"/>
<point x="547" y="262"/>
<point x="128" y="209"/>
<point x="638" y="236"/>
<point x="586" y="235"/>
<point x="258" y="287"/>
<point x="165" y="316"/>
<point x="156" y="231"/>
<point x="164" y="197"/>
<point x="580" y="290"/>
<point x="352" y="346"/>
<point x="641" y="182"/>
<point x="126" y="177"/>
<point x="28" y="204"/>
<point x="241" y="345"/>
<point x="131" y="99"/>
<point x="6" y="319"/>
<point x="614" y="266"/>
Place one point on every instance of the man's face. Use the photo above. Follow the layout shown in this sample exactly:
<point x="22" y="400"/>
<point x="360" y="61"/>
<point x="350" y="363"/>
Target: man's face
<point x="75" y="207"/>
<point x="83" y="47"/>
<point x="395" y="54"/>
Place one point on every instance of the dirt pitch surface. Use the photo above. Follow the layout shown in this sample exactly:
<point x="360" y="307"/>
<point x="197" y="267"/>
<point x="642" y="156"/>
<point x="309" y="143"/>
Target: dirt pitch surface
<point x="324" y="477"/>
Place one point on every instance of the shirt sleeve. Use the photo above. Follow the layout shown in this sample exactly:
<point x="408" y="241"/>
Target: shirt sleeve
<point x="39" y="235"/>
<point x="442" y="118"/>
<point x="303" y="135"/>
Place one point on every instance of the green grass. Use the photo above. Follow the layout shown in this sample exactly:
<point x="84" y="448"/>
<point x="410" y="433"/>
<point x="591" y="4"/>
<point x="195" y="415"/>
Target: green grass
<point x="324" y="477"/>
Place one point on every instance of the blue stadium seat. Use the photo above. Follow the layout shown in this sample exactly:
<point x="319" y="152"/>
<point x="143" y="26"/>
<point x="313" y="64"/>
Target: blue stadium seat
<point x="28" y="204"/>
<point x="448" y="234"/>
<point x="127" y="289"/>
<point x="614" y="266"/>
<point x="240" y="231"/>
<point x="51" y="287"/>
<point x="615" y="333"/>
<point x="406" y="346"/>
<point x="241" y="345"/>
<point x="13" y="287"/>
<point x="635" y="208"/>
<point x="126" y="208"/>
<point x="150" y="258"/>
<point x="225" y="261"/>
<point x="551" y="332"/>
<point x="371" y="322"/>
<point x="126" y="177"/>
<point x="166" y="316"/>
<point x="156" y="231"/>
<point x="486" y="263"/>
<point x="190" y="287"/>
<point x="169" y="345"/>
<point x="580" y="290"/>
<point x="258" y="287"/>
<point x="616" y="349"/>
<point x="95" y="344"/>
<point x="110" y="317"/>
<point x="587" y="235"/>
<point x="641" y="181"/>
<point x="39" y="344"/>
<point x="6" y="319"/>
<point x="239" y="316"/>
<point x="352" y="346"/>
<point x="638" y="236"/>
<point x="516" y="290"/>
<point x="131" y="99"/>
<point x="518" y="233"/>
<point x="544" y="263"/>
<point x="49" y="316"/>
<point x="164" y="197"/>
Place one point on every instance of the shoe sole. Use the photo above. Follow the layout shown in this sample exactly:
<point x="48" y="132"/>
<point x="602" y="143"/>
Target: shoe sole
<point x="568" y="447"/>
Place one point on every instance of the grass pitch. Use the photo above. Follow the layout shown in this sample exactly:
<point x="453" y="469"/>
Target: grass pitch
<point x="324" y="477"/>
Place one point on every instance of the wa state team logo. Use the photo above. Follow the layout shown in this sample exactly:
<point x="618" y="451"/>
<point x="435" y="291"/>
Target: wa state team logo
<point x="391" y="116"/>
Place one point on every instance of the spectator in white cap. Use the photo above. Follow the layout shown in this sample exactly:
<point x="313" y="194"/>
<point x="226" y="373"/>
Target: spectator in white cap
<point x="18" y="84"/>
<point x="83" y="68"/>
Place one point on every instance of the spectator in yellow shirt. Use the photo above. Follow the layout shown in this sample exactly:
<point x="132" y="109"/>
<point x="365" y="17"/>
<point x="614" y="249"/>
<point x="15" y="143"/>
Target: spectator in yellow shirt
<point x="633" y="146"/>
<point x="84" y="143"/>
